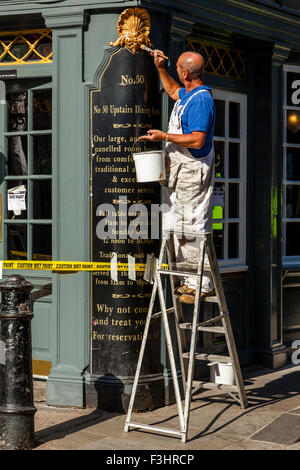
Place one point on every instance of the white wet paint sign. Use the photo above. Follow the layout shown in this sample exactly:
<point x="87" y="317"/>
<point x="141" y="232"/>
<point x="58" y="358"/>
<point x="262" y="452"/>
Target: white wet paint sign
<point x="16" y="199"/>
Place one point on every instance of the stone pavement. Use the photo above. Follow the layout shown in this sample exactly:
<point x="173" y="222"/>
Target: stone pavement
<point x="272" y="421"/>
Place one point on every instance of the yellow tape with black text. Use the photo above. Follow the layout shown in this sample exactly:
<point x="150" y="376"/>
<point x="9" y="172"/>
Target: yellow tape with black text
<point x="69" y="265"/>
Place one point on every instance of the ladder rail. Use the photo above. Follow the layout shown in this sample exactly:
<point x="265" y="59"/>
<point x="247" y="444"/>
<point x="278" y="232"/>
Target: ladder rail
<point x="171" y="352"/>
<point x="144" y="340"/>
<point x="141" y="355"/>
<point x="191" y="366"/>
<point x="226" y="322"/>
<point x="181" y="340"/>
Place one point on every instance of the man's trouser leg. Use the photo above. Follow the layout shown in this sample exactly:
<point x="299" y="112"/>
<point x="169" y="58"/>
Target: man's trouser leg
<point x="190" y="205"/>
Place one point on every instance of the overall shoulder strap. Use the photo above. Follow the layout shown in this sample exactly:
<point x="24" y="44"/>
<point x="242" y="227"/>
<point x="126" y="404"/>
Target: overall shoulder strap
<point x="190" y="98"/>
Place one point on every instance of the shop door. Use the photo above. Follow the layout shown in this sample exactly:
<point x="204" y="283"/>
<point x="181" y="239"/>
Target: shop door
<point x="26" y="164"/>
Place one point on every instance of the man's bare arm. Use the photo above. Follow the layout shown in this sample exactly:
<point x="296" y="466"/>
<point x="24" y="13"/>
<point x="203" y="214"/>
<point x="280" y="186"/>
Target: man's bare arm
<point x="170" y="85"/>
<point x="194" y="140"/>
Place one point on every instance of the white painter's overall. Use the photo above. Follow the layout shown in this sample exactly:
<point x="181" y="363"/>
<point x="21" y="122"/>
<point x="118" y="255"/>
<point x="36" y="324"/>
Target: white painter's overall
<point x="189" y="194"/>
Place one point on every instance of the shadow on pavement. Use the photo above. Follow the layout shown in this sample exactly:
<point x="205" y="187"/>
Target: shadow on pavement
<point x="272" y="392"/>
<point x="59" y="431"/>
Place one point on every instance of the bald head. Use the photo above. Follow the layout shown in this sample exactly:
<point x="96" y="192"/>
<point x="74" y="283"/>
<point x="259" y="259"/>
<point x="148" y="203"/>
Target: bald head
<point x="193" y="63"/>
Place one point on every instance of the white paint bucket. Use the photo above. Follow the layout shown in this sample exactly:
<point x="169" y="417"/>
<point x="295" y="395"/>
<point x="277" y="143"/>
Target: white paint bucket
<point x="149" y="166"/>
<point x="222" y="373"/>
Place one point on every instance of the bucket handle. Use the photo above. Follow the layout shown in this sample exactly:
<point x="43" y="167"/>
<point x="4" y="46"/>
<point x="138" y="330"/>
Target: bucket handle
<point x="135" y="143"/>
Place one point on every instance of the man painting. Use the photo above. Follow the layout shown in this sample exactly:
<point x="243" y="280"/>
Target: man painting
<point x="189" y="161"/>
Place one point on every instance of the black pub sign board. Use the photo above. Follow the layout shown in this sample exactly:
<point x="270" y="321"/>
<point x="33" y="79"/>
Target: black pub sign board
<point x="125" y="105"/>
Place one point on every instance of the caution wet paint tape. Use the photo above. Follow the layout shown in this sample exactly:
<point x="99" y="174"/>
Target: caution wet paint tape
<point x="68" y="266"/>
<point x="112" y="266"/>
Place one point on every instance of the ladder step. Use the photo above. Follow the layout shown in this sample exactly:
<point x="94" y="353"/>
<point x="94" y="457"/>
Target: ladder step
<point x="214" y="386"/>
<point x="213" y="299"/>
<point x="208" y="357"/>
<point x="188" y="266"/>
<point x="210" y="329"/>
<point x="155" y="428"/>
<point x="180" y="233"/>
<point x="158" y="314"/>
<point x="177" y="273"/>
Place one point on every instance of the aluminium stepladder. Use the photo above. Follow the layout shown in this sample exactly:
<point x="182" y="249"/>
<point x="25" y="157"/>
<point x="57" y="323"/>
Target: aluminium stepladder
<point x="187" y="359"/>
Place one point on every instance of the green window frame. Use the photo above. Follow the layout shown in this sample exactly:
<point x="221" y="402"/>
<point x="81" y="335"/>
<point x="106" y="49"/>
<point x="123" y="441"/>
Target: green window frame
<point x="28" y="138"/>
<point x="229" y="206"/>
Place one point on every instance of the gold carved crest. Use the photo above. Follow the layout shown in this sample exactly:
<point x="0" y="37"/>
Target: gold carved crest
<point x="133" y="28"/>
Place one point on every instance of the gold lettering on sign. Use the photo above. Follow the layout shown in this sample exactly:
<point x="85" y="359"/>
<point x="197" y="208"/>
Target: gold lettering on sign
<point x="127" y="80"/>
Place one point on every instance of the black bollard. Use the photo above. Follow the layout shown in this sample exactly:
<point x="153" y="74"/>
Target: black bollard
<point x="16" y="384"/>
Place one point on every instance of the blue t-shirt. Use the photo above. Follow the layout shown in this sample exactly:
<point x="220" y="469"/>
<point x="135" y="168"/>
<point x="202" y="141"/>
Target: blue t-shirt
<point x="199" y="115"/>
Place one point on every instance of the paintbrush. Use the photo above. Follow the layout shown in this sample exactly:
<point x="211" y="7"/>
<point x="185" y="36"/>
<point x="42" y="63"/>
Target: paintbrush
<point x="147" y="49"/>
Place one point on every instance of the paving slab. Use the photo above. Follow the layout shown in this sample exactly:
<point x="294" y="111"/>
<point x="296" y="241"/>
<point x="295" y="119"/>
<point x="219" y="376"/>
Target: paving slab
<point x="284" y="430"/>
<point x="255" y="445"/>
<point x="296" y="411"/>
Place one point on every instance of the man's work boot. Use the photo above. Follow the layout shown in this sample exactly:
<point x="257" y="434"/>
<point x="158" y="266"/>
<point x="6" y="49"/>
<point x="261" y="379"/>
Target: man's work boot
<point x="181" y="289"/>
<point x="189" y="296"/>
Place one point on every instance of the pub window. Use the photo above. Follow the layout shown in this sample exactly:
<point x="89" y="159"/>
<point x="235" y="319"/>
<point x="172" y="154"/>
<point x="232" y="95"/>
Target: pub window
<point x="220" y="60"/>
<point x="229" y="207"/>
<point x="291" y="164"/>
<point x="25" y="47"/>
<point x="28" y="148"/>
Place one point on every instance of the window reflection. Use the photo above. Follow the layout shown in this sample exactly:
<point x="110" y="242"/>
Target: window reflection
<point x="42" y="155"/>
<point x="293" y="201"/>
<point x="219" y="159"/>
<point x="233" y="200"/>
<point x="233" y="240"/>
<point x="234" y="160"/>
<point x="293" y="127"/>
<point x="220" y="118"/>
<point x="293" y="164"/>
<point x="234" y="119"/>
<point x="17" y="241"/>
<point x="42" y="199"/>
<point x="17" y="107"/>
<point x="42" y="110"/>
<point x="292" y="239"/>
<point x="42" y="242"/>
<point x="17" y="155"/>
<point x="218" y="237"/>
